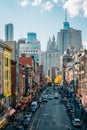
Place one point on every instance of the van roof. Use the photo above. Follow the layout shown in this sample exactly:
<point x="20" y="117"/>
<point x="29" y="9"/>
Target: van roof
<point x="34" y="102"/>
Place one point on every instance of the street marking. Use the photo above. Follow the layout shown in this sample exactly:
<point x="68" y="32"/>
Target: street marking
<point x="34" y="120"/>
<point x="38" y="123"/>
<point x="45" y="114"/>
<point x="32" y="125"/>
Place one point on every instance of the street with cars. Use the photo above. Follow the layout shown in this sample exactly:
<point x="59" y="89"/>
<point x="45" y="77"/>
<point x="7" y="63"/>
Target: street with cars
<point x="54" y="109"/>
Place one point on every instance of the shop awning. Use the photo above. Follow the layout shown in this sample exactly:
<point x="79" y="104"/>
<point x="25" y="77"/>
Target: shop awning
<point x="12" y="111"/>
<point x="3" y="122"/>
<point x="1" y="95"/>
<point x="24" y="101"/>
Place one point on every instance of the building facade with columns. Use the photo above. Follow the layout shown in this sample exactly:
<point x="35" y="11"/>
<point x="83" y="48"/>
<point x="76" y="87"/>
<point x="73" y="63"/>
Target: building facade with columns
<point x="50" y="58"/>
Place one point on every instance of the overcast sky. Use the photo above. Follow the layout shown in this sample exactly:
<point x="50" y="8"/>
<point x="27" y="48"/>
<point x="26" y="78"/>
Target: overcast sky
<point x="45" y="17"/>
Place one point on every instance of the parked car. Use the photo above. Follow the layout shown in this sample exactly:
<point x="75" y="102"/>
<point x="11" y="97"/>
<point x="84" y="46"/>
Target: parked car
<point x="68" y="105"/>
<point x="64" y="100"/>
<point x="20" y="127"/>
<point x="50" y="97"/>
<point x="28" y="119"/>
<point x="76" y="122"/>
<point x="34" y="106"/>
<point x="40" y="100"/>
<point x="45" y="98"/>
<point x="29" y="114"/>
<point x="25" y="123"/>
<point x="69" y="109"/>
<point x="72" y="112"/>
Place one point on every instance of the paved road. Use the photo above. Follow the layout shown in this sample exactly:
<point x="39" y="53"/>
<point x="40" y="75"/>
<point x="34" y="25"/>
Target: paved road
<point x="51" y="116"/>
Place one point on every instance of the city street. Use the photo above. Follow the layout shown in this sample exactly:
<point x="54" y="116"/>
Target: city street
<point x="51" y="115"/>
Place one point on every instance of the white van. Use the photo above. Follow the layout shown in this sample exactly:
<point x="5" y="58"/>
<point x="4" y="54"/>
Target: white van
<point x="34" y="106"/>
<point x="56" y="95"/>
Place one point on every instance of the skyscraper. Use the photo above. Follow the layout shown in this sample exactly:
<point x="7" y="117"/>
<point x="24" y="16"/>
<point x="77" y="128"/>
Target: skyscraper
<point x="31" y="37"/>
<point x="9" y="32"/>
<point x="68" y="37"/>
<point x="30" y="48"/>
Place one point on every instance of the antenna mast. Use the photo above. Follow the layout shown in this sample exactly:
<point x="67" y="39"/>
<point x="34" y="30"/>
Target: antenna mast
<point x="65" y="15"/>
<point x="66" y="24"/>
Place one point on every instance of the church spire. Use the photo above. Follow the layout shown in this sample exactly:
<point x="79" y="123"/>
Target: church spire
<point x="53" y="39"/>
<point x="49" y="39"/>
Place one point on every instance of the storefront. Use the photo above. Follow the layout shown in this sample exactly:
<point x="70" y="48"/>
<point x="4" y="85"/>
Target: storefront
<point x="25" y="101"/>
<point x="3" y="122"/>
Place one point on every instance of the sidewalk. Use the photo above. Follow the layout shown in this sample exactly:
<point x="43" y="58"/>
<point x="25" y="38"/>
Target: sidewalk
<point x="78" y="108"/>
<point x="80" y="113"/>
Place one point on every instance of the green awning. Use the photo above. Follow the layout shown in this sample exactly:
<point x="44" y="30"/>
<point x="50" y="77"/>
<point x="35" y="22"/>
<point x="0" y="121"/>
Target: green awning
<point x="1" y="95"/>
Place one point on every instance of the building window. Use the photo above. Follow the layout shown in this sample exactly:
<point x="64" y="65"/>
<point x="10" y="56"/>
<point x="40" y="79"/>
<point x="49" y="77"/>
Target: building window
<point x="50" y="55"/>
<point x="6" y="62"/>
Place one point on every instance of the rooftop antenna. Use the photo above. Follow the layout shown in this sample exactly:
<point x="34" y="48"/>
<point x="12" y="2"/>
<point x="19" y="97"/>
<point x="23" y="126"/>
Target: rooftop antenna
<point x="66" y="24"/>
<point x="65" y="15"/>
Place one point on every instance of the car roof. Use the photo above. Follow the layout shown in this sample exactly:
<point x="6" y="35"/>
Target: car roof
<point x="76" y="119"/>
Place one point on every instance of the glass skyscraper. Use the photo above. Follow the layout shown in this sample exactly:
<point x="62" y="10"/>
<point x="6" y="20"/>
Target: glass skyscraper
<point x="31" y="37"/>
<point x="69" y="38"/>
<point x="9" y="30"/>
<point x="30" y="48"/>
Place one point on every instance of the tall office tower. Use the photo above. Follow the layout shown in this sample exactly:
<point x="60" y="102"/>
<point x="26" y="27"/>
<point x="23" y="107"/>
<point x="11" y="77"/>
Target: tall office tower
<point x="31" y="37"/>
<point x="9" y="32"/>
<point x="68" y="37"/>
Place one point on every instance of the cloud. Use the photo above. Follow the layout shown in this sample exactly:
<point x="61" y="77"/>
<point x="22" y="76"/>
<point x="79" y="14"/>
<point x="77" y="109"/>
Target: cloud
<point x="47" y="6"/>
<point x="24" y="3"/>
<point x="55" y="1"/>
<point x="36" y="2"/>
<point x="85" y="8"/>
<point x="74" y="7"/>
